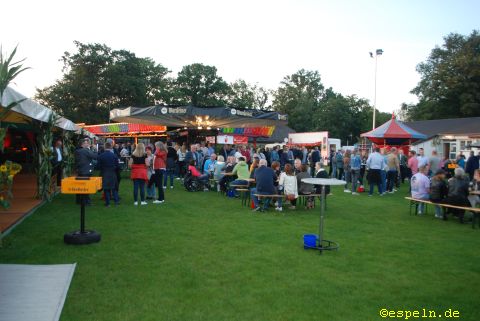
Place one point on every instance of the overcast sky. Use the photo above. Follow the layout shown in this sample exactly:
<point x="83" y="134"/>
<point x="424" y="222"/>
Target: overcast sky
<point x="259" y="41"/>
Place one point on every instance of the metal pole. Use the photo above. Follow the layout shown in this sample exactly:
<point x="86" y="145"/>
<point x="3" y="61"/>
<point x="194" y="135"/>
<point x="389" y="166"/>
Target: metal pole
<point x="82" y="214"/>
<point x="322" y="212"/>
<point x="375" y="95"/>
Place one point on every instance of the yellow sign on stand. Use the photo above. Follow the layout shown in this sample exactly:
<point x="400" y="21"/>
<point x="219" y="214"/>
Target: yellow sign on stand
<point x="81" y="185"/>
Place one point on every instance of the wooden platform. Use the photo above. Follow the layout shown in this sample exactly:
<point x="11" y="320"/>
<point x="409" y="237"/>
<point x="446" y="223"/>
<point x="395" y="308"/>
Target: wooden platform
<point x="23" y="203"/>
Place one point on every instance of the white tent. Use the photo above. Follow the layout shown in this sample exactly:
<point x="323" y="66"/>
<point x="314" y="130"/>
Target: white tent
<point x="29" y="108"/>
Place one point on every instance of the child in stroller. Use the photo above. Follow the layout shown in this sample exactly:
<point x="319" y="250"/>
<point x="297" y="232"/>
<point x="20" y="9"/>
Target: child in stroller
<point x="194" y="181"/>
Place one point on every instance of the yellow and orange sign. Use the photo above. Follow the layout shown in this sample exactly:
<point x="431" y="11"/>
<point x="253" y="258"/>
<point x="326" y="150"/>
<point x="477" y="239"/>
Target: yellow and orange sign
<point x="81" y="185"/>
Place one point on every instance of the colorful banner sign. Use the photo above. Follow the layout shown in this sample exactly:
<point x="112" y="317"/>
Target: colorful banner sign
<point x="230" y="139"/>
<point x="124" y="128"/>
<point x="266" y="131"/>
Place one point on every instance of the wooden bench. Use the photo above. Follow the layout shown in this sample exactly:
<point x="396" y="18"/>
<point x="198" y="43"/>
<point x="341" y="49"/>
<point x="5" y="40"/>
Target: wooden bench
<point x="303" y="197"/>
<point x="474" y="210"/>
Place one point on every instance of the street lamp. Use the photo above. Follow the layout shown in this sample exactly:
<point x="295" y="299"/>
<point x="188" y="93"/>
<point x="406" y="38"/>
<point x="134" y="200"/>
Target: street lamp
<point x="378" y="52"/>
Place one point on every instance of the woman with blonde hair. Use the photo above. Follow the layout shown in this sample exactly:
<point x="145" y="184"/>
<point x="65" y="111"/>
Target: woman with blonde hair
<point x="138" y="164"/>
<point x="159" y="167"/>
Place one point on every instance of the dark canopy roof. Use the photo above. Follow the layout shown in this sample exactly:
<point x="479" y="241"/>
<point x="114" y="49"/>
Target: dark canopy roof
<point x="195" y="116"/>
<point x="452" y="126"/>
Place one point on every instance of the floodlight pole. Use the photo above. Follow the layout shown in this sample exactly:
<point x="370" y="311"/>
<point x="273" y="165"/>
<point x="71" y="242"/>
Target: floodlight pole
<point x="378" y="52"/>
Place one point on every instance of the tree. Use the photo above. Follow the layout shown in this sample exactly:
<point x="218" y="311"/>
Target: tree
<point x="199" y="85"/>
<point x="450" y="80"/>
<point x="244" y="95"/>
<point x="97" y="79"/>
<point x="299" y="97"/>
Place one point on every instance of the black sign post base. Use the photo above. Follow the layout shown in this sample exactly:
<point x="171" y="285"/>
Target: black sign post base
<point x="82" y="236"/>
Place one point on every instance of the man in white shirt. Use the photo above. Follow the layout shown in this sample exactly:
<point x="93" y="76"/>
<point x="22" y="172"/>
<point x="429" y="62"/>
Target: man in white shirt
<point x="422" y="159"/>
<point x="420" y="185"/>
<point x="375" y="164"/>
<point x="57" y="161"/>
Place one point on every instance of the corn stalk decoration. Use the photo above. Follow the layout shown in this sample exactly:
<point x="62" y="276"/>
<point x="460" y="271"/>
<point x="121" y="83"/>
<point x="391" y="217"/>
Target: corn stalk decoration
<point x="8" y="71"/>
<point x="68" y="153"/>
<point x="43" y="154"/>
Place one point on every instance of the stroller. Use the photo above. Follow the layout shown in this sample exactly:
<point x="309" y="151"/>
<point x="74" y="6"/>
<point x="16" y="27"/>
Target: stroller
<point x="192" y="184"/>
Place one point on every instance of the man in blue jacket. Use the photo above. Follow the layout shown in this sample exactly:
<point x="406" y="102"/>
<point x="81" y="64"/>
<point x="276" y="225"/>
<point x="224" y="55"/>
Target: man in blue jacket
<point x="265" y="180"/>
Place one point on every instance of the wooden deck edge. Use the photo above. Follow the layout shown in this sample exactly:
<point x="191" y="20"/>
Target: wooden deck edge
<point x="21" y="219"/>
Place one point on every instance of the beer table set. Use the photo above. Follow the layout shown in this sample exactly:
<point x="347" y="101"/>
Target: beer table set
<point x="81" y="186"/>
<point x="320" y="243"/>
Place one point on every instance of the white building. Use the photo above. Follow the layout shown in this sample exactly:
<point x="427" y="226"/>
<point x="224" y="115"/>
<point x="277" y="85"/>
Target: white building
<point x="448" y="136"/>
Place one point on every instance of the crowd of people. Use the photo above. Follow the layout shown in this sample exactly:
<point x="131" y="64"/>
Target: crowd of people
<point x="280" y="171"/>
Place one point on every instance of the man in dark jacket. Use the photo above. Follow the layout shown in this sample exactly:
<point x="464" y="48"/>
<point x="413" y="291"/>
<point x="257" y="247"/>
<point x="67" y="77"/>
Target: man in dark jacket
<point x="315" y="158"/>
<point x="458" y="192"/>
<point x="438" y="191"/>
<point x="171" y="165"/>
<point x="84" y="157"/>
<point x="473" y="163"/>
<point x="108" y="163"/>
<point x="265" y="179"/>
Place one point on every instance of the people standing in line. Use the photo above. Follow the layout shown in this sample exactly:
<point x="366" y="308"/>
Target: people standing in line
<point x="108" y="163"/>
<point x="363" y="167"/>
<point x="383" y="172"/>
<point x="181" y="153"/>
<point x="347" y="170"/>
<point x="150" y="173"/>
<point x="288" y="184"/>
<point x="433" y="163"/>
<point x="393" y="169"/>
<point x="333" y="165"/>
<point x="339" y="164"/>
<point x="267" y="154"/>
<point x="138" y="164"/>
<point x="284" y="157"/>
<point x="375" y="163"/>
<point x="403" y="160"/>
<point x="412" y="164"/>
<point x="274" y="156"/>
<point x="304" y="155"/>
<point x="460" y="160"/>
<point x="420" y="187"/>
<point x="473" y="163"/>
<point x="438" y="191"/>
<point x="422" y="159"/>
<point x="57" y="161"/>
<point x="290" y="156"/>
<point x="191" y="154"/>
<point x="245" y="151"/>
<point x="297" y="166"/>
<point x="315" y="157"/>
<point x="171" y="165"/>
<point x="84" y="158"/>
<point x="355" y="168"/>
<point x="159" y="167"/>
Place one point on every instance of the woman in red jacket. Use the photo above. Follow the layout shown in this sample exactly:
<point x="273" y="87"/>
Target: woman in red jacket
<point x="159" y="167"/>
<point x="139" y="173"/>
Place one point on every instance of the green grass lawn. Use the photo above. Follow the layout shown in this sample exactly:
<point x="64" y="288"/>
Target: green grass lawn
<point x="201" y="256"/>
